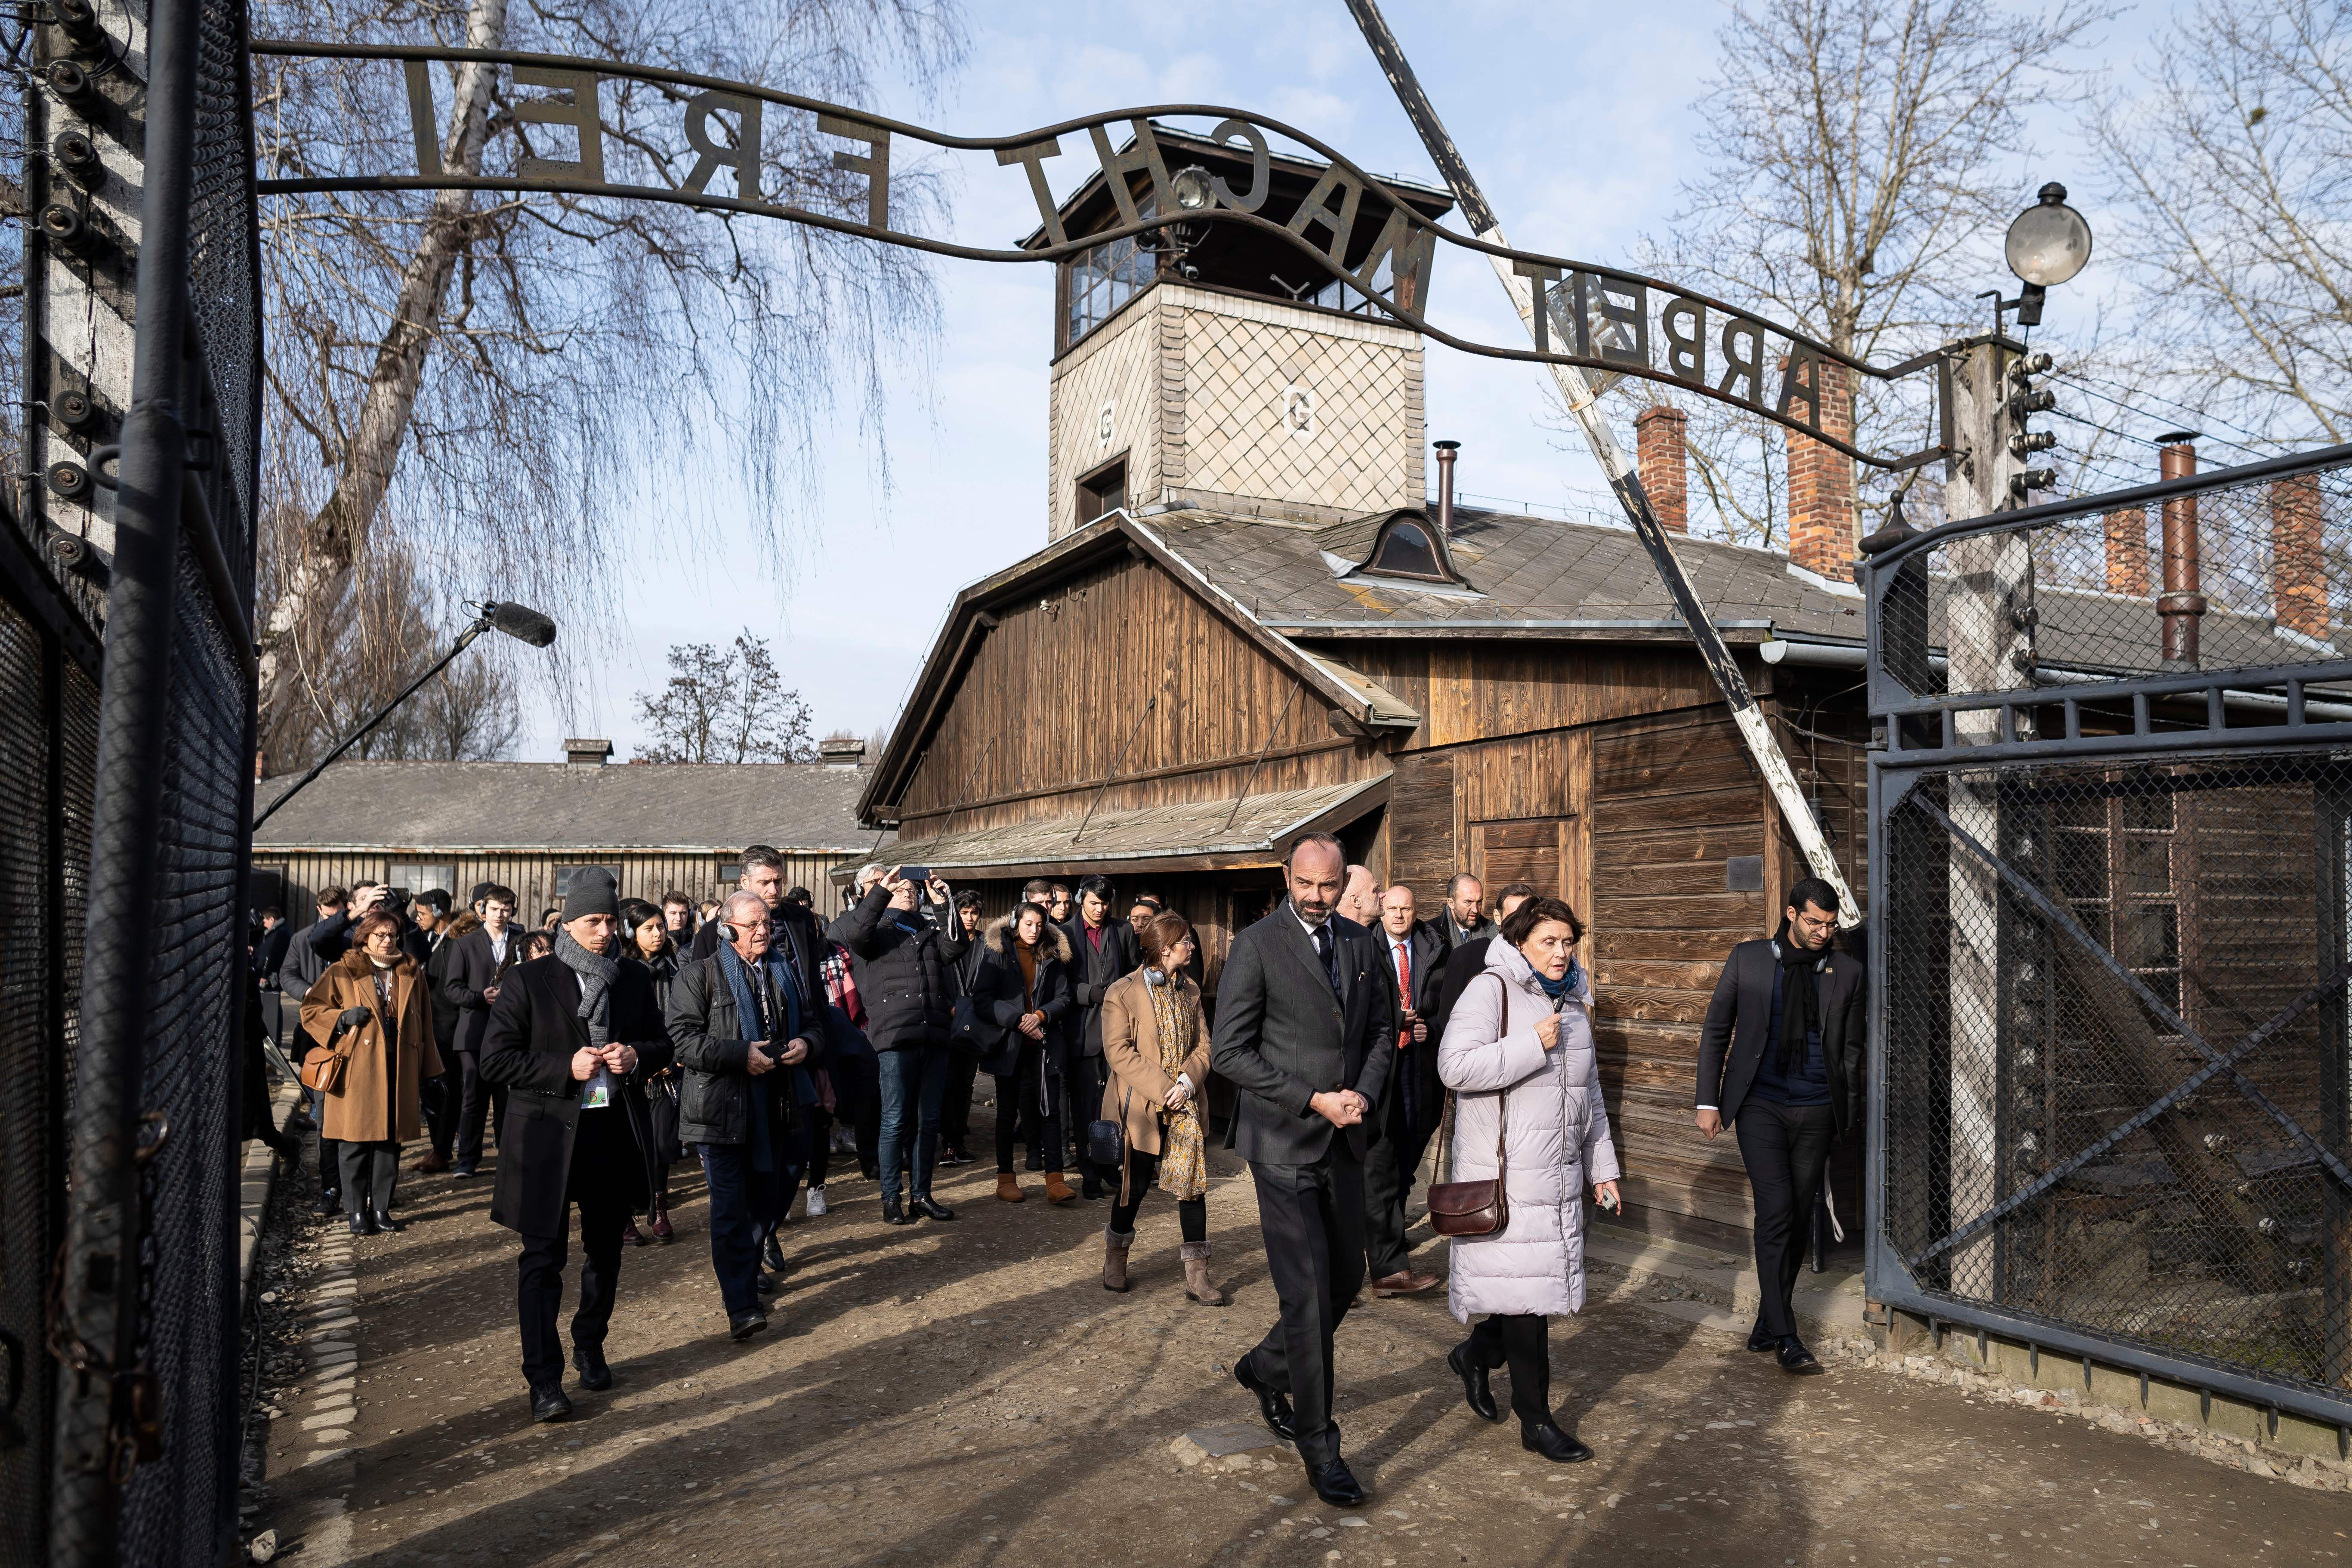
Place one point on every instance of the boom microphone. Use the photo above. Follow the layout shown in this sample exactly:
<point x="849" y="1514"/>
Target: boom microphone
<point x="523" y="623"/>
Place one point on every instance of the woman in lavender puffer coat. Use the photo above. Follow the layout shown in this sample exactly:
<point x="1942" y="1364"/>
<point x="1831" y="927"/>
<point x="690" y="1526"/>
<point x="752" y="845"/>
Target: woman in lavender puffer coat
<point x="1518" y="1051"/>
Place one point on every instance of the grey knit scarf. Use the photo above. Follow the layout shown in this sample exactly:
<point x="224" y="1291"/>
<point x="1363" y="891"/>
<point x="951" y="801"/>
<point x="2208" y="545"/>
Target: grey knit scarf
<point x="596" y="973"/>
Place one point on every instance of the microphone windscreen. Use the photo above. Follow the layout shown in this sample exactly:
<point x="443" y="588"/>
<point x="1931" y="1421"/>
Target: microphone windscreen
<point x="521" y="622"/>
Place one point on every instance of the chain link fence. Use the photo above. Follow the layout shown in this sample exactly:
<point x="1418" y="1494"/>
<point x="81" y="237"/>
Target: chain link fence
<point x="117" y="1363"/>
<point x="2115" y="1052"/>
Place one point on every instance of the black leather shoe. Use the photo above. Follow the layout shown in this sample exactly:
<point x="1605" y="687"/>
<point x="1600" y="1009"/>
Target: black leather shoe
<point x="360" y="1225"/>
<point x="772" y="1254"/>
<point x="1796" y="1360"/>
<point x="1560" y="1448"/>
<point x="1273" y="1405"/>
<point x="589" y="1361"/>
<point x="384" y="1224"/>
<point x="1036" y="1163"/>
<point x="893" y="1213"/>
<point x="768" y="1284"/>
<point x="332" y="1201"/>
<point x="1336" y="1485"/>
<point x="930" y="1207"/>
<point x="1090" y="1185"/>
<point x="1480" y="1397"/>
<point x="549" y="1404"/>
<point x="1759" y="1342"/>
<point x="744" y="1327"/>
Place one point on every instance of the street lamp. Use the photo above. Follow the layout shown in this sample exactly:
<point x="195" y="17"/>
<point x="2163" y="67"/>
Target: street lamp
<point x="1194" y="192"/>
<point x="519" y="622"/>
<point x="2047" y="244"/>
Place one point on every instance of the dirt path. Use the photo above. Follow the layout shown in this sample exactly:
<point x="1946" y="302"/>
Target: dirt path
<point x="968" y="1394"/>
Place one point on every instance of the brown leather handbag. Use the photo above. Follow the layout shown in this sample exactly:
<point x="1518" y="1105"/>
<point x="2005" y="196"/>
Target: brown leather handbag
<point x="1473" y="1208"/>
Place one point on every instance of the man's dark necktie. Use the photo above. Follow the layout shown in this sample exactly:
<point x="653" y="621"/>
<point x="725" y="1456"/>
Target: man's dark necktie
<point x="1328" y="952"/>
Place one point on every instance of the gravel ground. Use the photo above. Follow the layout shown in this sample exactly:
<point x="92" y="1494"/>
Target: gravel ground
<point x="968" y="1394"/>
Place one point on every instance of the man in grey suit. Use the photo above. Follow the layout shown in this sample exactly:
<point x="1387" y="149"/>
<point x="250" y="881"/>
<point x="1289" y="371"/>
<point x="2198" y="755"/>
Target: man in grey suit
<point x="1306" y="1025"/>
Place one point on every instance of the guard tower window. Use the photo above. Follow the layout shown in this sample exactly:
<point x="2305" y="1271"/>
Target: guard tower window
<point x="1102" y="491"/>
<point x="1405" y="550"/>
<point x="1107" y="277"/>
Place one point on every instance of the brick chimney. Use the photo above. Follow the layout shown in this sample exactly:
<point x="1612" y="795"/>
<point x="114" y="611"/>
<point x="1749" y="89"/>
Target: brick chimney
<point x="2128" y="553"/>
<point x="1820" y="483"/>
<point x="2299" y="571"/>
<point x="587" y="754"/>
<point x="1658" y="445"/>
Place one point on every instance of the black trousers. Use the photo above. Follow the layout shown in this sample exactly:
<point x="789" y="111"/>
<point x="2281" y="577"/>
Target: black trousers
<point x="442" y="1099"/>
<point x="1388" y="1176"/>
<point x="1785" y="1148"/>
<point x="1029" y="1104"/>
<point x="369" y="1171"/>
<point x="955" y="1106"/>
<point x="1313" y="1220"/>
<point x="1191" y="1214"/>
<point x="602" y="1148"/>
<point x="476" y="1097"/>
<point x="1522" y="1341"/>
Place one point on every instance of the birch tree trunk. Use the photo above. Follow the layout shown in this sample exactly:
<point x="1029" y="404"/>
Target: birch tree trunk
<point x="332" y="539"/>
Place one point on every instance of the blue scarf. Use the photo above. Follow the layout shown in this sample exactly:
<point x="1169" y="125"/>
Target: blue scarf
<point x="784" y="986"/>
<point x="1567" y="986"/>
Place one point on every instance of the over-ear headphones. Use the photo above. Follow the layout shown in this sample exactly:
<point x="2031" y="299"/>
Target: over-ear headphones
<point x="726" y="932"/>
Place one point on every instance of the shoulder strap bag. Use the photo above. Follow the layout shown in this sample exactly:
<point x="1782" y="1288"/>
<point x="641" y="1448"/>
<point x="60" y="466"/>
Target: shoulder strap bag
<point x="1473" y="1208"/>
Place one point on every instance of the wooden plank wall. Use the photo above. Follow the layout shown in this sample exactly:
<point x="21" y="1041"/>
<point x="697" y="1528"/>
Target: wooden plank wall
<point x="1470" y="691"/>
<point x="1673" y="800"/>
<point x="532" y="877"/>
<point x="1053" y="704"/>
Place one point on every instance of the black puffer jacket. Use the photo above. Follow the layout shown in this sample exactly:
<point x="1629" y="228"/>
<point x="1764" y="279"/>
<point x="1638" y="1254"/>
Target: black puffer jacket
<point x="906" y="978"/>
<point x="1000" y="994"/>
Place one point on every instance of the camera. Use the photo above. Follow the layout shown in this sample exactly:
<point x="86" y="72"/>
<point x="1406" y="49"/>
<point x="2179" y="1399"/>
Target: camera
<point x="915" y="873"/>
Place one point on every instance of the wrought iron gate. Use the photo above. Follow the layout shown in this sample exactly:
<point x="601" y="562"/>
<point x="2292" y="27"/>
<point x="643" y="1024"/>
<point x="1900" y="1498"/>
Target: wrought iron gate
<point x="2111" y="931"/>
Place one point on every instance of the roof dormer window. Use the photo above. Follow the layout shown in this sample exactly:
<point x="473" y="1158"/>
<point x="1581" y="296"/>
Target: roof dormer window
<point x="1407" y="549"/>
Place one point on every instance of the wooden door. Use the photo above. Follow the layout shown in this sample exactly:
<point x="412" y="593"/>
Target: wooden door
<point x="1531" y="849"/>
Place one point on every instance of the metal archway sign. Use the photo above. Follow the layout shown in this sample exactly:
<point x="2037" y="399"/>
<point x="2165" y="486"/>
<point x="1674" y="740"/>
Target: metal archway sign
<point x="1607" y="319"/>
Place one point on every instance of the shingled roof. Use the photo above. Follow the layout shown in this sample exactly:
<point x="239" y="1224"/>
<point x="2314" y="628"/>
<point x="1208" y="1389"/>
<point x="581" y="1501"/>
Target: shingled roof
<point x="474" y="808"/>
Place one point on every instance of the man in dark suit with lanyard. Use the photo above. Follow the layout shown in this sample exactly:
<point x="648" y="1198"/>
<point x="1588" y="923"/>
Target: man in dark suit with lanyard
<point x="1306" y="1028"/>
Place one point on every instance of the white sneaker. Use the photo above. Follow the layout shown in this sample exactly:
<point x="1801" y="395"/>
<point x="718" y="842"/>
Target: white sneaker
<point x="815" y="1202"/>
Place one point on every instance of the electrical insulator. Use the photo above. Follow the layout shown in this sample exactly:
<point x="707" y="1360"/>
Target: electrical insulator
<point x="71" y="83"/>
<point x="79" y="19"/>
<point x="69" y="482"/>
<point x="77" y="154"/>
<point x="2034" y="363"/>
<point x="63" y="226"/>
<point x="2025" y="402"/>
<point x="2025" y="484"/>
<point x="72" y="409"/>
<point x="2030" y="441"/>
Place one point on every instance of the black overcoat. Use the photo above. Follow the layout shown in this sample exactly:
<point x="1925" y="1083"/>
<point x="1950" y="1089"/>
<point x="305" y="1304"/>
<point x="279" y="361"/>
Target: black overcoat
<point x="534" y="1030"/>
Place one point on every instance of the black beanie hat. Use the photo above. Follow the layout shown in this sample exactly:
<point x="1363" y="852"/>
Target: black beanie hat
<point x="591" y="892"/>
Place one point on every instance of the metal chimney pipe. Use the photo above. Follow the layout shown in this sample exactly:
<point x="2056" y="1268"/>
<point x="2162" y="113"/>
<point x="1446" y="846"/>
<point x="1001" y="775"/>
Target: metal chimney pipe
<point x="2182" y="603"/>
<point x="1445" y="451"/>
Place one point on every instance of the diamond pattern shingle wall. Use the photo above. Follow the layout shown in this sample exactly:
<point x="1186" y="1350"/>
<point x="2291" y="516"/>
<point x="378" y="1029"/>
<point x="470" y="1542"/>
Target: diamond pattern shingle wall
<point x="1217" y="395"/>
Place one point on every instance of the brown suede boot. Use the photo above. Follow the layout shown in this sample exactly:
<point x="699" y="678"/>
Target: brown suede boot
<point x="1196" y="1276"/>
<point x="1009" y="1189"/>
<point x="1114" y="1246"/>
<point x="1058" y="1191"/>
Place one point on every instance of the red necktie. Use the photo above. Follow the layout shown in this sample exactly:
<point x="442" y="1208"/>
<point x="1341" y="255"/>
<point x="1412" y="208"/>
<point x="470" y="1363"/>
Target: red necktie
<point x="1404" y="991"/>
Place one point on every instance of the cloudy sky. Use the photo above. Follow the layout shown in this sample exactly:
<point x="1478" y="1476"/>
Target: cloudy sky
<point x="1577" y="120"/>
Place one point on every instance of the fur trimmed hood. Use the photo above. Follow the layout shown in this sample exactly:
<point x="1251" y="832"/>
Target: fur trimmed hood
<point x="1054" y="943"/>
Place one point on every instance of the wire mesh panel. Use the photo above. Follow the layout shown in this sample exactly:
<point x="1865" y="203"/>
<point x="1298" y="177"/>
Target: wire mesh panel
<point x="2115" y="1062"/>
<point x="30" y="1144"/>
<point x="175" y="1508"/>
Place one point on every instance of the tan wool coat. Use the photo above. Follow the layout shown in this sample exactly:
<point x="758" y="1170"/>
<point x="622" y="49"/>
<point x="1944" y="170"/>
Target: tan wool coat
<point x="1130" y="1038"/>
<point x="382" y="1084"/>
